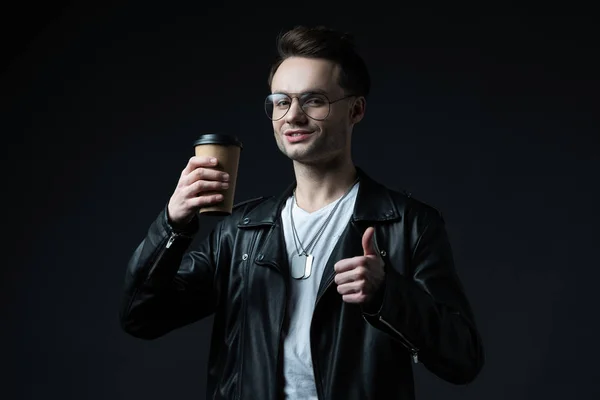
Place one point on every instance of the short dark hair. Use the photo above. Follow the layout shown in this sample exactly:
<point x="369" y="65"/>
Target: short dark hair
<point x="329" y="44"/>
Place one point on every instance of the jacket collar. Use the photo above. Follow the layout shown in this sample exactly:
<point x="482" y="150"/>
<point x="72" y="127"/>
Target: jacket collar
<point x="373" y="204"/>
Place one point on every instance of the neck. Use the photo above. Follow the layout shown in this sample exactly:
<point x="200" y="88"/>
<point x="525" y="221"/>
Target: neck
<point x="319" y="185"/>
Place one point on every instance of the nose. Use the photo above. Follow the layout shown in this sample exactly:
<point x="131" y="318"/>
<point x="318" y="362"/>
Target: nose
<point x="295" y="115"/>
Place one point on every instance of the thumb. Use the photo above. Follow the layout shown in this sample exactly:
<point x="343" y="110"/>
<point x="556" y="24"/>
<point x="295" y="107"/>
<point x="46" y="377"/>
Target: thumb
<point x="367" y="241"/>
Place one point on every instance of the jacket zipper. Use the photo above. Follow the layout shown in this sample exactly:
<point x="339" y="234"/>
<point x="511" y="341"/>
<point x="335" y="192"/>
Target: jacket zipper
<point x="414" y="351"/>
<point x="250" y="259"/>
<point x="318" y="384"/>
<point x="284" y="307"/>
<point x="283" y="310"/>
<point x="170" y="241"/>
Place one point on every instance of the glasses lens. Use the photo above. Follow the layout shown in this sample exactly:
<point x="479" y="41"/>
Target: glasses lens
<point x="315" y="105"/>
<point x="276" y="105"/>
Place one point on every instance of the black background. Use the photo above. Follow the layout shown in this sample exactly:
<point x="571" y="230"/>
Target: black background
<point x="489" y="115"/>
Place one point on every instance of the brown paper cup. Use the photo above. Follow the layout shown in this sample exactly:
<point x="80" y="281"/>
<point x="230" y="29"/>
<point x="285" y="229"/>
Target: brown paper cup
<point x="226" y="149"/>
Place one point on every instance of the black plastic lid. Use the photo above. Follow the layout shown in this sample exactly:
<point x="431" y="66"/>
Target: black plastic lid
<point x="218" y="138"/>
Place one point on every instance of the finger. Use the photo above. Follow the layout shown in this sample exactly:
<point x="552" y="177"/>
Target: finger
<point x="203" y="201"/>
<point x="355" y="298"/>
<point x="199" y="161"/>
<point x="355" y="274"/>
<point x="351" y="287"/>
<point x="349" y="264"/>
<point x="203" y="186"/>
<point x="367" y="241"/>
<point x="206" y="174"/>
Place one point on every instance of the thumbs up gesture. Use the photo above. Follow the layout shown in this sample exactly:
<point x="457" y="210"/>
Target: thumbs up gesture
<point x="359" y="278"/>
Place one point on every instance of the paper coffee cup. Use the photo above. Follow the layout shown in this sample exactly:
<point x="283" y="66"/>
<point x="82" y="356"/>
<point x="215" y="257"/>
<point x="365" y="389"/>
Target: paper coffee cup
<point x="226" y="149"/>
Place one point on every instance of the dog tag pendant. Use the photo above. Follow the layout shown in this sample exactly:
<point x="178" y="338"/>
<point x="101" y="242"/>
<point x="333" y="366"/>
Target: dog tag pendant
<point x="308" y="265"/>
<point x="298" y="266"/>
<point x="301" y="266"/>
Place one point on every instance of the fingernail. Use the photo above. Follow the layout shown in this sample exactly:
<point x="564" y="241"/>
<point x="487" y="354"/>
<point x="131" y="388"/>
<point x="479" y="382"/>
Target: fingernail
<point x="213" y="160"/>
<point x="226" y="177"/>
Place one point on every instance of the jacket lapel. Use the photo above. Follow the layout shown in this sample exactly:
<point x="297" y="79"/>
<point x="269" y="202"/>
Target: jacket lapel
<point x="348" y="245"/>
<point x="374" y="205"/>
<point x="272" y="252"/>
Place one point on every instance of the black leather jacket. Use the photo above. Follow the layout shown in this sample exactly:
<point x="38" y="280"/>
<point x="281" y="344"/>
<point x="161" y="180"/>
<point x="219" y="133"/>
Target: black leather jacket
<point x="240" y="274"/>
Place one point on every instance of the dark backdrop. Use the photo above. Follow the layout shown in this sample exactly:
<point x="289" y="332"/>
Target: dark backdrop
<point x="489" y="115"/>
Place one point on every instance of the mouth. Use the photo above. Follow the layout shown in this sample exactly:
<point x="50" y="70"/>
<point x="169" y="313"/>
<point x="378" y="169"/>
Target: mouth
<point x="296" y="136"/>
<point x="296" y="133"/>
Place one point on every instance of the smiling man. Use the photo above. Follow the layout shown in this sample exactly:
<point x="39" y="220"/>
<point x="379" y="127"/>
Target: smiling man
<point x="331" y="290"/>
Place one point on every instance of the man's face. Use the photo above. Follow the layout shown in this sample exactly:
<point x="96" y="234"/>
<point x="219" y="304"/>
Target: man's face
<point x="300" y="137"/>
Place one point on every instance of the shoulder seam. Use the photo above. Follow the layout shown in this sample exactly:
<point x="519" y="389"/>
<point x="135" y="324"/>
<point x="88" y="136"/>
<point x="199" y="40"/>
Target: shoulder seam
<point x="411" y="198"/>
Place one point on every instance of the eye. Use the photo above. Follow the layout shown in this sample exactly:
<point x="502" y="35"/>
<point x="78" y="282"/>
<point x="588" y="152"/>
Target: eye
<point x="315" y="101"/>
<point x="279" y="100"/>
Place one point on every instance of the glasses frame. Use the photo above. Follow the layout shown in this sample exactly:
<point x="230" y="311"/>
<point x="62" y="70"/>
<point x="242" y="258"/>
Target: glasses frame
<point x="297" y="96"/>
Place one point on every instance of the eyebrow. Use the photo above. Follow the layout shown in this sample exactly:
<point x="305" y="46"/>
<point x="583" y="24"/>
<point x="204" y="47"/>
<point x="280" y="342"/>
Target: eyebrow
<point x="320" y="91"/>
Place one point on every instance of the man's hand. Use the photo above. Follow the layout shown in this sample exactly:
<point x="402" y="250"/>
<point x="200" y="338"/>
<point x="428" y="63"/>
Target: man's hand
<point x="359" y="278"/>
<point x="199" y="186"/>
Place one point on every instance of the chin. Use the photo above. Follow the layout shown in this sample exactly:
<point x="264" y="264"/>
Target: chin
<point x="310" y="158"/>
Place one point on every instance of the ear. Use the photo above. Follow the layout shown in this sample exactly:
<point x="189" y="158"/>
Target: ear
<point x="357" y="112"/>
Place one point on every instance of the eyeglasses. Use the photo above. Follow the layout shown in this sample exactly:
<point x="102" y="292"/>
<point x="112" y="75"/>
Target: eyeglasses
<point x="315" y="105"/>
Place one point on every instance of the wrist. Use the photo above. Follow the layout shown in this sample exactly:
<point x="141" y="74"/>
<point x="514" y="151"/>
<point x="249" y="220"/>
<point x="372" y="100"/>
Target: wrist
<point x="187" y="226"/>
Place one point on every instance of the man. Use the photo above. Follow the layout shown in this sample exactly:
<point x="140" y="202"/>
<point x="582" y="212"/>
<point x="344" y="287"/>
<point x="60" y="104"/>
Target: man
<point x="330" y="290"/>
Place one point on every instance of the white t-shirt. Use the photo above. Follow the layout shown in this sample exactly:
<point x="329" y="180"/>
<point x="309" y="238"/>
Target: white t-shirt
<point x="297" y="360"/>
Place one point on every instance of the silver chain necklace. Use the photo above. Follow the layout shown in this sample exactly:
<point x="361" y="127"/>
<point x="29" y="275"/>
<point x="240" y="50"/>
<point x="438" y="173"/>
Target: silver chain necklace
<point x="302" y="261"/>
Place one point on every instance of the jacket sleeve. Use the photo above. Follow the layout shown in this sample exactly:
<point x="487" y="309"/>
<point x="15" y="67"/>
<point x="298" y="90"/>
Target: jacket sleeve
<point x="165" y="287"/>
<point x="428" y="311"/>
